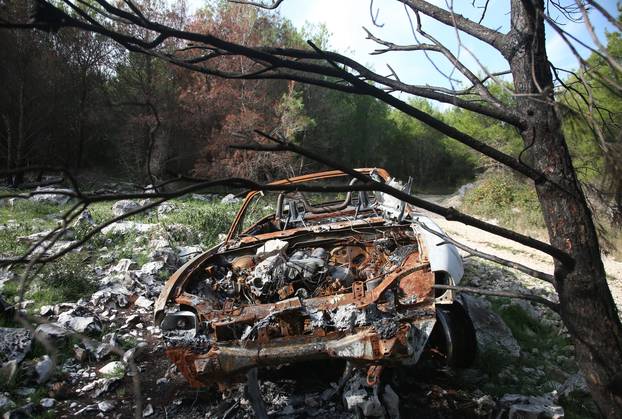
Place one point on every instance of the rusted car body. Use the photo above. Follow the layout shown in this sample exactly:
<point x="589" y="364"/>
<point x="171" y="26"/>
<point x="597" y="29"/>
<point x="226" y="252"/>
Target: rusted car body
<point x="350" y="279"/>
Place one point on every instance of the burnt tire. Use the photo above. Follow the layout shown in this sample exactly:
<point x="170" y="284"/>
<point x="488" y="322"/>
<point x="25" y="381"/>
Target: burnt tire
<point x="455" y="334"/>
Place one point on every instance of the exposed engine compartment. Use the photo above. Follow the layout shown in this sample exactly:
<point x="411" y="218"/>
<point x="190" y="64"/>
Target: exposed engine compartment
<point x="276" y="272"/>
<point x="359" y="295"/>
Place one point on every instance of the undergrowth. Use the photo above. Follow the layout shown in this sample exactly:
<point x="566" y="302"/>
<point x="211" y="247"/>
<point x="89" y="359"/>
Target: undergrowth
<point x="506" y="198"/>
<point x="66" y="279"/>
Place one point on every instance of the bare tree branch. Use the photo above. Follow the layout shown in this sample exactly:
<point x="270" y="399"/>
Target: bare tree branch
<point x="508" y="263"/>
<point x="449" y="213"/>
<point x="487" y="35"/>
<point x="275" y="4"/>
<point x="495" y="293"/>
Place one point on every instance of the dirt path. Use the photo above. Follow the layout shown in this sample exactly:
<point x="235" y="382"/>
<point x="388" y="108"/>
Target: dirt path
<point x="508" y="249"/>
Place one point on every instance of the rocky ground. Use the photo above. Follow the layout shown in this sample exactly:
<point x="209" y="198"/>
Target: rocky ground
<point x="100" y="355"/>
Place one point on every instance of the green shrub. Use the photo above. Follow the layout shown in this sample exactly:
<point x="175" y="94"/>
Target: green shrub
<point x="66" y="279"/>
<point x="507" y="198"/>
<point x="27" y="217"/>
<point x="209" y="219"/>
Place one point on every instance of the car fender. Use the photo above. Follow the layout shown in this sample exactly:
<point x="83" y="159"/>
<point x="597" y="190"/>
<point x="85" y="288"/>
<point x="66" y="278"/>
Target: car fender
<point x="443" y="256"/>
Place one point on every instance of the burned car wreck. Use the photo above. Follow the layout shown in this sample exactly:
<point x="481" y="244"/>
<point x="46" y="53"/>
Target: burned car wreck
<point x="347" y="277"/>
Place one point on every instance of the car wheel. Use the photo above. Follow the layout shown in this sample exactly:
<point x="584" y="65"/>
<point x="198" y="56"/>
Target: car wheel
<point x="457" y="335"/>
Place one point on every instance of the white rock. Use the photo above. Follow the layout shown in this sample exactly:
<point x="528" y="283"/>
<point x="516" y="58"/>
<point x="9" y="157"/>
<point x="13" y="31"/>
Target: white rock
<point x="124" y="227"/>
<point x="5" y="276"/>
<point x="44" y="369"/>
<point x="148" y="411"/>
<point x="229" y="199"/>
<point x="130" y="320"/>
<point x="116" y="293"/>
<point x="25" y="391"/>
<point x="106" y="406"/>
<point x="159" y="243"/>
<point x="114" y="368"/>
<point x="15" y="343"/>
<point x="47" y="402"/>
<point x="152" y="268"/>
<point x="134" y="353"/>
<point x="78" y="323"/>
<point x="124" y="265"/>
<point x="124" y="206"/>
<point x="490" y="330"/>
<point x="523" y="407"/>
<point x="89" y="408"/>
<point x="46" y="311"/>
<point x="185" y="253"/>
<point x="574" y="383"/>
<point x="51" y="196"/>
<point x="84" y="219"/>
<point x="143" y="302"/>
<point x="200" y="197"/>
<point x="51" y="331"/>
<point x="166" y="208"/>
<point x="6" y="403"/>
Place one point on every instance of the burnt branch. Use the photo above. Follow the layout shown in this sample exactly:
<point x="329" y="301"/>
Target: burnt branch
<point x="507" y="263"/>
<point x="449" y="213"/>
<point x="494" y="38"/>
<point x="275" y="4"/>
<point x="493" y="293"/>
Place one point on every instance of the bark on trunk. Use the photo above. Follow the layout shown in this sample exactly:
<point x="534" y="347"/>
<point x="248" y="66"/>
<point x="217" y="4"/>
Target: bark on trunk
<point x="587" y="307"/>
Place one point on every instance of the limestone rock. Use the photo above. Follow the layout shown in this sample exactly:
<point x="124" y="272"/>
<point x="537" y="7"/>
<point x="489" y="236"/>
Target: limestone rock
<point x="80" y="320"/>
<point x="51" y="196"/>
<point x="490" y="330"/>
<point x="229" y="199"/>
<point x="15" y="343"/>
<point x="44" y="368"/>
<point x="124" y="206"/>
<point x="531" y="407"/>
<point x="51" y="332"/>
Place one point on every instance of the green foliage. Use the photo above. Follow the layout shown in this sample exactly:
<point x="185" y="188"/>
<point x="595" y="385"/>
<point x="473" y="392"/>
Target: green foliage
<point x="503" y="196"/>
<point x="546" y="356"/>
<point x="117" y="373"/>
<point x="23" y="218"/>
<point x="364" y="132"/>
<point x="494" y="133"/>
<point x="530" y="332"/>
<point x="208" y="219"/>
<point x="592" y="119"/>
<point x="66" y="279"/>
<point x="293" y="117"/>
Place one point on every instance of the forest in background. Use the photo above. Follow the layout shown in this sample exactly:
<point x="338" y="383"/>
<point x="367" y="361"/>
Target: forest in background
<point x="77" y="100"/>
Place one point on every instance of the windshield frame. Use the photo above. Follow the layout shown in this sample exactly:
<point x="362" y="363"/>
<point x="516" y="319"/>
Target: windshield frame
<point x="235" y="228"/>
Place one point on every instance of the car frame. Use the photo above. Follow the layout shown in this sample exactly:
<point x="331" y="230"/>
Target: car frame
<point x="383" y="314"/>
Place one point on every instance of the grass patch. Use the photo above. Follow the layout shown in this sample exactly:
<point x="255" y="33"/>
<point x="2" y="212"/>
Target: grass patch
<point x="208" y="219"/>
<point x="545" y="361"/>
<point x="66" y="279"/>
<point x="128" y="342"/>
<point x="529" y="332"/>
<point x="22" y="219"/>
<point x="10" y="290"/>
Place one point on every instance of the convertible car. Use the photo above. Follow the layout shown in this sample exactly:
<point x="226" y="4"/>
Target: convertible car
<point x="316" y="275"/>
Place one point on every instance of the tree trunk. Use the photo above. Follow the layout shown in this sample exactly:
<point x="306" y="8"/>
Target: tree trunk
<point x="587" y="308"/>
<point x="81" y="120"/>
<point x="18" y="178"/>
